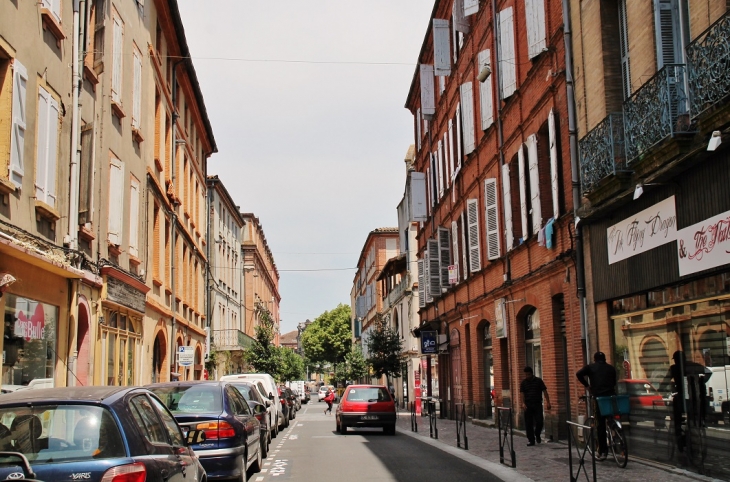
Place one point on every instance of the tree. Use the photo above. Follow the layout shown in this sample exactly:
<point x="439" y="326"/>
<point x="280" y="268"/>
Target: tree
<point x="354" y="367"/>
<point x="292" y="366"/>
<point x="328" y="339"/>
<point x="386" y="350"/>
<point x="263" y="356"/>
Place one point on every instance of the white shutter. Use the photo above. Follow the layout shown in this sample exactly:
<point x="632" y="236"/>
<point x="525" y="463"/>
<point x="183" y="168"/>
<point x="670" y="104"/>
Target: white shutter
<point x="418" y="197"/>
<point x="428" y="100"/>
<point x="464" y="250"/>
<point x="507" y="59"/>
<point x="535" y="20"/>
<point x="455" y="246"/>
<point x="534" y="183"/>
<point x="54" y="116"/>
<point x="458" y="138"/>
<point x="117" y="61"/>
<point x="554" y="166"/>
<point x="134" y="217"/>
<point x="450" y="135"/>
<point x="491" y="218"/>
<point x="44" y="100"/>
<point x="442" y="84"/>
<point x="427" y="276"/>
<point x="434" y="267"/>
<point x="137" y="107"/>
<point x="54" y="6"/>
<point x="441" y="53"/>
<point x="418" y="129"/>
<point x="624" y="47"/>
<point x="421" y="285"/>
<point x="461" y="24"/>
<point x="430" y="186"/>
<point x="439" y="168"/>
<point x="467" y="113"/>
<point x="472" y="215"/>
<point x="116" y="198"/>
<point x="444" y="255"/>
<point x="485" y="91"/>
<point x="507" y="201"/>
<point x="470" y="7"/>
<point x="523" y="191"/>
<point x="17" y="140"/>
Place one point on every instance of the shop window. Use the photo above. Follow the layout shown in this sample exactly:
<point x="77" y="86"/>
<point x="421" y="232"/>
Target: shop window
<point x="120" y="340"/>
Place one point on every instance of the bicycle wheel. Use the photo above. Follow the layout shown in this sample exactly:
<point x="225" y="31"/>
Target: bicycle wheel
<point x="696" y="446"/>
<point x="617" y="444"/>
<point x="671" y="441"/>
<point x="589" y="436"/>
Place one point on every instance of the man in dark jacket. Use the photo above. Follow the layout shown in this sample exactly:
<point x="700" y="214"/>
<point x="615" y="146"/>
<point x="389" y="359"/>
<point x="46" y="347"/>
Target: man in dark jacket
<point x="532" y="389"/>
<point x="600" y="378"/>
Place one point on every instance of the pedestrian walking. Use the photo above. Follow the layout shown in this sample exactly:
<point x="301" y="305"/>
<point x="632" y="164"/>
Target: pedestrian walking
<point x="329" y="398"/>
<point x="532" y="389"/>
<point x="600" y="379"/>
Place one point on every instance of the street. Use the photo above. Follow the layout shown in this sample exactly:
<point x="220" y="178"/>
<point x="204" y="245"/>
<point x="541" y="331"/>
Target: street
<point x="310" y="449"/>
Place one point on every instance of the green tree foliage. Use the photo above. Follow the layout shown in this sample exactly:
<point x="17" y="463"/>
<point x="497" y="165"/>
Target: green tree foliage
<point x="354" y="367"/>
<point x="386" y="350"/>
<point x="329" y="338"/>
<point x="264" y="356"/>
<point x="292" y="366"/>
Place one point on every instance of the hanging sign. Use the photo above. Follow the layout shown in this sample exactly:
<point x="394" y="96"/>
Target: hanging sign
<point x="704" y="245"/>
<point x="643" y="231"/>
<point x="429" y="343"/>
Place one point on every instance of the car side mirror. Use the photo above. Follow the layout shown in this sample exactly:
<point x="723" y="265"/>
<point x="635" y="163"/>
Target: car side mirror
<point x="271" y="396"/>
<point x="259" y="409"/>
<point x="195" y="437"/>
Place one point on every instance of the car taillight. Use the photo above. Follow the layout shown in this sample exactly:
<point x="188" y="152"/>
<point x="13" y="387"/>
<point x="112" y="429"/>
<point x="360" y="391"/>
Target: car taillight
<point x="216" y="430"/>
<point x="126" y="473"/>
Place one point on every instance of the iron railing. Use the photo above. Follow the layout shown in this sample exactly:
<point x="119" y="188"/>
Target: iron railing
<point x="414" y="418"/>
<point x="659" y="109"/>
<point x="430" y="405"/>
<point x="461" y="426"/>
<point x="602" y="151"/>
<point x="506" y="435"/>
<point x="708" y="63"/>
<point x="579" y="437"/>
<point x="232" y="339"/>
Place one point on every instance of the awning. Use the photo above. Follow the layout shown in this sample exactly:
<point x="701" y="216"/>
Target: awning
<point x="38" y="258"/>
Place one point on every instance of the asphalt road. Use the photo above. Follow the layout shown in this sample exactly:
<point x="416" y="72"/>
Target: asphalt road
<point x="311" y="450"/>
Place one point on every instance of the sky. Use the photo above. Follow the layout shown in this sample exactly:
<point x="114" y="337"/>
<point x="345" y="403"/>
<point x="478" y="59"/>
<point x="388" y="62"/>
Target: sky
<point x="306" y="101"/>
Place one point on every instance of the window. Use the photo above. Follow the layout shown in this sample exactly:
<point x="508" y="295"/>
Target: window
<point x="472" y="217"/>
<point x="555" y="164"/>
<point x="535" y="20"/>
<point x="54" y="6"/>
<point x="428" y="99"/>
<point x="137" y="100"/>
<point x="668" y="31"/>
<point x="533" y="356"/>
<point x="116" y="199"/>
<point x="507" y="58"/>
<point x="486" y="105"/>
<point x="467" y="117"/>
<point x="624" y="46"/>
<point x="442" y="62"/>
<point x="47" y="145"/>
<point x="120" y="340"/>
<point x="444" y="244"/>
<point x="86" y="174"/>
<point x="134" y="217"/>
<point x="507" y="200"/>
<point x="455" y="247"/>
<point x="147" y="421"/>
<point x="458" y="139"/>
<point x="117" y="56"/>
<point x="17" y="130"/>
<point x="491" y="218"/>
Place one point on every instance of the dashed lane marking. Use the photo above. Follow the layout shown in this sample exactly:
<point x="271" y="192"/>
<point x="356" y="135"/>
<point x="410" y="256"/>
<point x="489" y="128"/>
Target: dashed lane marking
<point x="259" y="479"/>
<point x="279" y="468"/>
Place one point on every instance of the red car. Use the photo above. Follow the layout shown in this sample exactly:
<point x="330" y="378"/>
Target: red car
<point x="640" y="391"/>
<point x="366" y="406"/>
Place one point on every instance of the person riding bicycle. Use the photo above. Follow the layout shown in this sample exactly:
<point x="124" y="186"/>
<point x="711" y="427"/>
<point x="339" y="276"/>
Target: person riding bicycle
<point x="600" y="379"/>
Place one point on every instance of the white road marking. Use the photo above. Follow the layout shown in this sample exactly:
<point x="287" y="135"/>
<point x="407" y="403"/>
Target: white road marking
<point x="259" y="479"/>
<point x="279" y="468"/>
<point x="294" y="437"/>
<point x="263" y="471"/>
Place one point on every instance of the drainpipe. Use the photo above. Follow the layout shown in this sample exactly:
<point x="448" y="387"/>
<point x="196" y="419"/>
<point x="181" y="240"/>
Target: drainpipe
<point x="209" y="236"/>
<point x="73" y="205"/>
<point x="575" y="172"/>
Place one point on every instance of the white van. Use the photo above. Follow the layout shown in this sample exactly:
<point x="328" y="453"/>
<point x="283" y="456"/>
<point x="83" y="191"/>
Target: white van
<point x="717" y="392"/>
<point x="276" y="419"/>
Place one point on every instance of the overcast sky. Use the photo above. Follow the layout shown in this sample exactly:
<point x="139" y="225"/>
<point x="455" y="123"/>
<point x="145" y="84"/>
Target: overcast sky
<point x="310" y="126"/>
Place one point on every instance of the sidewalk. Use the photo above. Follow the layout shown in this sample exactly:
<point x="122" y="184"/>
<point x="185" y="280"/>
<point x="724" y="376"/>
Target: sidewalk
<point x="544" y="462"/>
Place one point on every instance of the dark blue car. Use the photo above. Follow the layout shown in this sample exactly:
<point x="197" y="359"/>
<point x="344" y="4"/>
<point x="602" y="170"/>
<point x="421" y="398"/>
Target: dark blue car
<point x="232" y="433"/>
<point x="93" y="434"/>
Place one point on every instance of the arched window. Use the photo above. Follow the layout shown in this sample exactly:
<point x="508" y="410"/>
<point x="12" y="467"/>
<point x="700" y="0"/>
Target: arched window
<point x="120" y="343"/>
<point x="533" y="356"/>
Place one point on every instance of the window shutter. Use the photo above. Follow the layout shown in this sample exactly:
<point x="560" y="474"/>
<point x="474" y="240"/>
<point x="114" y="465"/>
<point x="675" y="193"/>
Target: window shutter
<point x="534" y="183"/>
<point x="117" y="59"/>
<point x="464" y="250"/>
<point x="86" y="173"/>
<point x="458" y="138"/>
<point x="507" y="60"/>
<point x="134" y="217"/>
<point x="418" y="129"/>
<point x="491" y="217"/>
<point x="507" y="200"/>
<point x="450" y="135"/>
<point x="467" y="113"/>
<point x="434" y="267"/>
<point x="54" y="116"/>
<point x="137" y="107"/>
<point x="448" y="165"/>
<point x="421" y="285"/>
<point x="430" y="186"/>
<point x="535" y="20"/>
<point x="439" y="169"/>
<point x="523" y="191"/>
<point x="428" y="101"/>
<point x="17" y="140"/>
<point x="624" y="46"/>
<point x="485" y="91"/>
<point x="116" y="197"/>
<point x="418" y="196"/>
<point x="427" y="275"/>
<point x="461" y="24"/>
<point x="472" y="213"/>
<point x="470" y="7"/>
<point x="554" y="165"/>
<point x="441" y="53"/>
<point x="455" y="247"/>
<point x="444" y="255"/>
<point x="44" y="99"/>
<point x="666" y="28"/>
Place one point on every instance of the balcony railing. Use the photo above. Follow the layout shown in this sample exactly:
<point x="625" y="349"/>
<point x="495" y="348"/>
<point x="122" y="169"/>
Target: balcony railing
<point x="396" y="293"/>
<point x="231" y="340"/>
<point x="659" y="109"/>
<point x="708" y="62"/>
<point x="602" y="151"/>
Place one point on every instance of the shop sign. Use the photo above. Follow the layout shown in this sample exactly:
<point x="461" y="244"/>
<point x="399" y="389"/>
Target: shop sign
<point x="642" y="232"/>
<point x="120" y="292"/>
<point x="453" y="274"/>
<point x="429" y="343"/>
<point x="704" y="245"/>
<point x="30" y="326"/>
<point x="500" y="321"/>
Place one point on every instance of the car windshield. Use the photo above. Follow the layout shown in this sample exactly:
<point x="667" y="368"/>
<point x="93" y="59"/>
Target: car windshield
<point x="246" y="391"/>
<point x="53" y="433"/>
<point x="368" y="395"/>
<point x="191" y="399"/>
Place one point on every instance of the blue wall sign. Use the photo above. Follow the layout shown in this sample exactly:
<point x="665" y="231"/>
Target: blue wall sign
<point x="429" y="343"/>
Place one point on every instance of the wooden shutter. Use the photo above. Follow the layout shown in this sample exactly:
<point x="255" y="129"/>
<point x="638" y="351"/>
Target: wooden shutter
<point x="472" y="216"/>
<point x="523" y="191"/>
<point x="439" y="169"/>
<point x="461" y="24"/>
<point x="444" y="255"/>
<point x="434" y="267"/>
<point x="448" y="162"/>
<point x="485" y="91"/>
<point x="450" y="135"/>
<point x="428" y="99"/>
<point x="464" y="250"/>
<point x="54" y="6"/>
<point x="418" y="197"/>
<point x="535" y="20"/>
<point x="137" y="107"/>
<point x="134" y="217"/>
<point x="666" y="29"/>
<point x="441" y="51"/>
<point x="507" y="59"/>
<point x="86" y="174"/>
<point x="44" y="99"/>
<point x="455" y="247"/>
<point x="624" y="46"/>
<point x="418" y="129"/>
<point x="459" y="138"/>
<point x="535" y="203"/>
<point x="116" y="198"/>
<point x="117" y="60"/>
<point x="54" y="118"/>
<point x="421" y="284"/>
<point x="17" y="139"/>
<point x="467" y="113"/>
<point x="507" y="201"/>
<point x="491" y="218"/>
<point x="470" y="7"/>
<point x="554" y="165"/>
<point x="430" y="186"/>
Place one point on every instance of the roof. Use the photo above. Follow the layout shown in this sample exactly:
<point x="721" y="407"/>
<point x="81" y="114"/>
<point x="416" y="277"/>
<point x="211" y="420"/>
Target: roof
<point x="289" y="338"/>
<point x="397" y="264"/>
<point x="66" y="394"/>
<point x="371" y="234"/>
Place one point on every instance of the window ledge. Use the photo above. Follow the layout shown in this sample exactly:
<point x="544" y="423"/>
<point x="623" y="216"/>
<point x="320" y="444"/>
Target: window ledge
<point x="114" y="249"/>
<point x="44" y="210"/>
<point x="54" y="25"/>
<point x="187" y="215"/>
<point x="137" y="135"/>
<point x="156" y="282"/>
<point x="158" y="164"/>
<point x="117" y="109"/>
<point x="6" y="187"/>
<point x="90" y="74"/>
<point x="133" y="260"/>
<point x="86" y="234"/>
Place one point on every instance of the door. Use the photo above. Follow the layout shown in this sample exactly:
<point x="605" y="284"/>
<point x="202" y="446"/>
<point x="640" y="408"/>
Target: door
<point x="182" y="452"/>
<point x="455" y="362"/>
<point x="251" y="431"/>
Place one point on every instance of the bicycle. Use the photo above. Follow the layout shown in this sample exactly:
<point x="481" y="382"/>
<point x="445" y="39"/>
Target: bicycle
<point x="612" y="407"/>
<point x="693" y="438"/>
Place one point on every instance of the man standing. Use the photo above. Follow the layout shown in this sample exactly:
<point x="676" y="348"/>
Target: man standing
<point x="600" y="378"/>
<point x="532" y="389"/>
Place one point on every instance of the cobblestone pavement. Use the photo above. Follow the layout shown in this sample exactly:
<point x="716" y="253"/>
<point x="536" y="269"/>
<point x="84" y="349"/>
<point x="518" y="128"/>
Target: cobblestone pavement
<point x="543" y="462"/>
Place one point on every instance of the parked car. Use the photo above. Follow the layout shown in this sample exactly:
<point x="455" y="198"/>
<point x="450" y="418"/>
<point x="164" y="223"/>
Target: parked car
<point x="232" y="443"/>
<point x="255" y="400"/>
<point x="99" y="433"/>
<point x="271" y="393"/>
<point x="645" y="401"/>
<point x="297" y="399"/>
<point x="294" y="399"/>
<point x="366" y="406"/>
<point x="322" y="393"/>
<point x="286" y="405"/>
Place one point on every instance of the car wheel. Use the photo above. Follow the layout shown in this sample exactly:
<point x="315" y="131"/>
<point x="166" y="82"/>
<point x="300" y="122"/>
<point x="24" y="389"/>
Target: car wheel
<point x="264" y="447"/>
<point x="256" y="464"/>
<point x="343" y="428"/>
<point x="389" y="430"/>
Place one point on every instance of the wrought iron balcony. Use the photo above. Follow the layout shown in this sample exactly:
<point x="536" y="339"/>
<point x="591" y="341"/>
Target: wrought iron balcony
<point x="602" y="151"/>
<point x="231" y="340"/>
<point x="658" y="110"/>
<point x="708" y="62"/>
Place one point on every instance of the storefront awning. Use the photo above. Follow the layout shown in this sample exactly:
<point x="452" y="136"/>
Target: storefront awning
<point x="38" y="258"/>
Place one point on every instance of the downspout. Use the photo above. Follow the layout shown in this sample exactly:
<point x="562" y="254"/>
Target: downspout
<point x="208" y="235"/>
<point x="575" y="173"/>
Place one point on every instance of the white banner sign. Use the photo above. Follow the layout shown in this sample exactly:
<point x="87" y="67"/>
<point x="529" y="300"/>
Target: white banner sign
<point x="646" y="230"/>
<point x="704" y="245"/>
<point x="185" y="356"/>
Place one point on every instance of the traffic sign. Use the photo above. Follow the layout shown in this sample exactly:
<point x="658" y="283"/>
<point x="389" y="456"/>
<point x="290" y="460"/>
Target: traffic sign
<point x="185" y="356"/>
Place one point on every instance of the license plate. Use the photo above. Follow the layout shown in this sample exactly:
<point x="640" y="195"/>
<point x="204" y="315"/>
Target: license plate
<point x="369" y="417"/>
